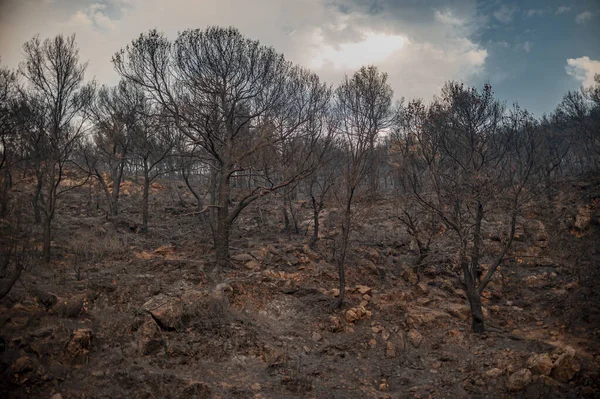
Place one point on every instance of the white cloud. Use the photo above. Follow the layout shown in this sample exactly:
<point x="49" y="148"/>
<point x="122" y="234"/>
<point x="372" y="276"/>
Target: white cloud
<point x="526" y="46"/>
<point x="583" y="17"/>
<point x="563" y="9"/>
<point x="583" y="69"/>
<point x="503" y="44"/>
<point x="447" y="17"/>
<point x="505" y="13"/>
<point x="537" y="12"/>
<point x="418" y="54"/>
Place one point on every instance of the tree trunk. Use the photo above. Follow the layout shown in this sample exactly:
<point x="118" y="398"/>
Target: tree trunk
<point x="36" y="199"/>
<point x="145" y="197"/>
<point x="223" y="227"/>
<point x="117" y="177"/>
<point x="47" y="238"/>
<point x="316" y="211"/>
<point x="473" y="296"/>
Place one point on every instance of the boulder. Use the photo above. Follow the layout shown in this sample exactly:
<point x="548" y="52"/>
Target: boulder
<point x="149" y="337"/>
<point x="519" y="380"/>
<point x="565" y="368"/>
<point x="79" y="346"/>
<point x="540" y="364"/>
<point x="167" y="311"/>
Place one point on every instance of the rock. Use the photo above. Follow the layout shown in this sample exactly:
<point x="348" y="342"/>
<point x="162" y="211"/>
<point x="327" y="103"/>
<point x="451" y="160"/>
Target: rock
<point x="316" y="336"/>
<point x="540" y="364"/>
<point x="167" y="311"/>
<point x="565" y="368"/>
<point x="196" y="390"/>
<point x="256" y="387"/>
<point x="223" y="291"/>
<point x="79" y="346"/>
<point x="56" y="396"/>
<point x="47" y="299"/>
<point x="390" y="350"/>
<point x="289" y="287"/>
<point x="22" y="365"/>
<point x="422" y="288"/>
<point x="519" y="380"/>
<point x="583" y="219"/>
<point x="351" y="316"/>
<point x="335" y="324"/>
<point x="242" y="258"/>
<point x="409" y="276"/>
<point x="149" y="337"/>
<point x="493" y="373"/>
<point x="363" y="289"/>
<point x="71" y="307"/>
<point x="415" y="338"/>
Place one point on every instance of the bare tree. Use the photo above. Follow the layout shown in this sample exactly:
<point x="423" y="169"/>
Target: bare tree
<point x="8" y="134"/>
<point x="56" y="98"/>
<point x="113" y="115"/>
<point x="363" y="105"/>
<point x="233" y="98"/>
<point x="468" y="161"/>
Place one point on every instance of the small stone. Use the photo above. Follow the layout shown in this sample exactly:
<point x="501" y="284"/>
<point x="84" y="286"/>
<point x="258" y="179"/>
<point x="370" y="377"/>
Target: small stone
<point x="351" y="316"/>
<point x="56" y="396"/>
<point x="390" y="350"/>
<point x="385" y="335"/>
<point x="493" y="373"/>
<point x="422" y="289"/>
<point x="409" y="276"/>
<point x="256" y="386"/>
<point x="415" y="338"/>
<point x="363" y="290"/>
<point x="519" y="380"/>
<point x="316" y="336"/>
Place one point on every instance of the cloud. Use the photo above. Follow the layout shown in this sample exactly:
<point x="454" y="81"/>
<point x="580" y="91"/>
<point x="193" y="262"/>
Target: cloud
<point x="526" y="46"/>
<point x="583" y="69"/>
<point x="447" y="17"/>
<point x="537" y="12"/>
<point x="505" y="13"/>
<point x="583" y="17"/>
<point x="420" y="47"/>
<point x="563" y="10"/>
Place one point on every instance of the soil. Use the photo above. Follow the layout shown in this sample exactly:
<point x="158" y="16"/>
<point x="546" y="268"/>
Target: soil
<point x="121" y="314"/>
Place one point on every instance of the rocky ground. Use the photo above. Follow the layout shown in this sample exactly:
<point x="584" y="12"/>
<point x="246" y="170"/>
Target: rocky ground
<point x="118" y="314"/>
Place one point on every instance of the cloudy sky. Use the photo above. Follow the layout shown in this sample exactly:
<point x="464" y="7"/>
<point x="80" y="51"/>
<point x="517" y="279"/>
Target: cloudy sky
<point x="531" y="51"/>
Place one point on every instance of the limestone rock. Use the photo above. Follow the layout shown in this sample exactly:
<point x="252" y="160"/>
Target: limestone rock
<point x="565" y="368"/>
<point x="493" y="373"/>
<point x="79" y="345"/>
<point x="149" y="337"/>
<point x="363" y="289"/>
<point x="390" y="350"/>
<point x="409" y="276"/>
<point x="167" y="311"/>
<point x="540" y="364"/>
<point x="415" y="338"/>
<point x="519" y="380"/>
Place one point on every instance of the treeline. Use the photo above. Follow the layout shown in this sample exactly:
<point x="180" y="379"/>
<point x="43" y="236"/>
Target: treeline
<point x="236" y="122"/>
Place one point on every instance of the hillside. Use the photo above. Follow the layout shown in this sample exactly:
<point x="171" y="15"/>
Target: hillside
<point x="121" y="314"/>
